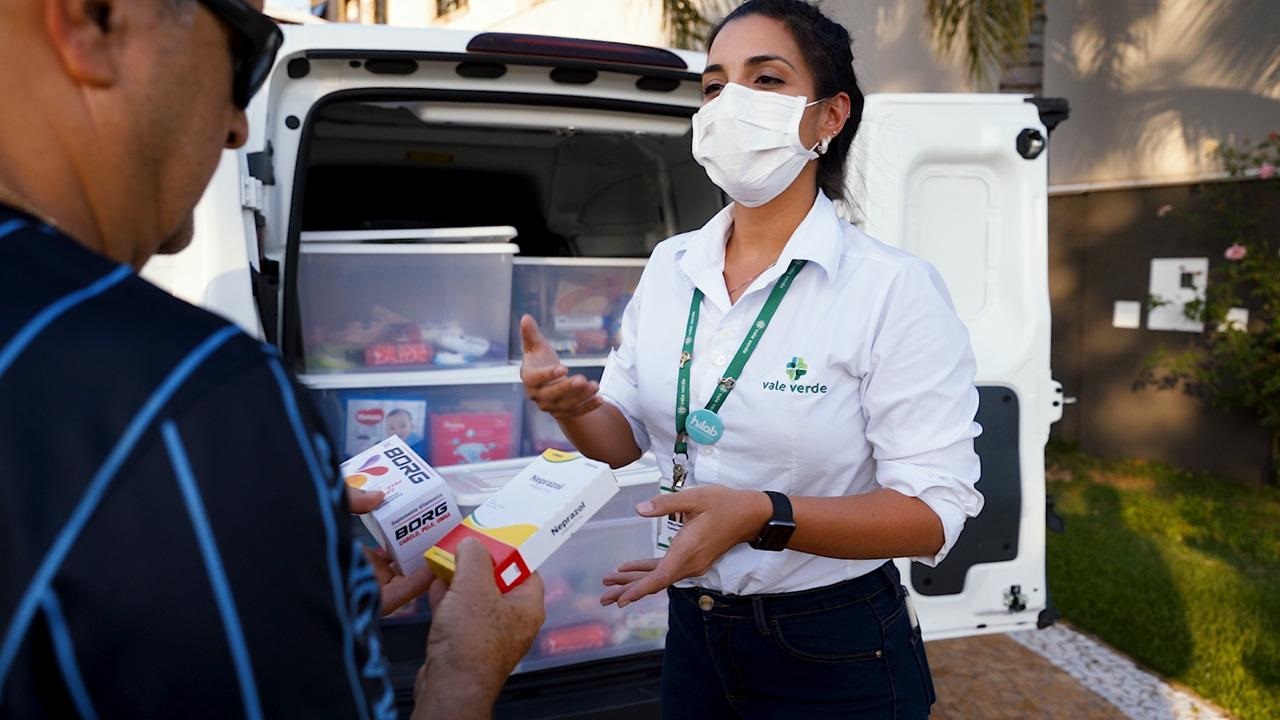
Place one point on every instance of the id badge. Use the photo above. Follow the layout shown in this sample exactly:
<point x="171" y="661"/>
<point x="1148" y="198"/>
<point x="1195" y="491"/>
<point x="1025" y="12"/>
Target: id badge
<point x="667" y="525"/>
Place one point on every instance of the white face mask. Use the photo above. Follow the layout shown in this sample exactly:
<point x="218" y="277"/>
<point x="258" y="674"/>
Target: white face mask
<point x="749" y="142"/>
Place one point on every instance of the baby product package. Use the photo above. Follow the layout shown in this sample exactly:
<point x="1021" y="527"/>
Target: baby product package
<point x="535" y="513"/>
<point x="418" y="509"/>
<point x="471" y="437"/>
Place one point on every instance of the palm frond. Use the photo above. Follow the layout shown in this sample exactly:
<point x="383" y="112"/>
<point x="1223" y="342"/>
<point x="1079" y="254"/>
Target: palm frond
<point x="987" y="31"/>
<point x="687" y="25"/>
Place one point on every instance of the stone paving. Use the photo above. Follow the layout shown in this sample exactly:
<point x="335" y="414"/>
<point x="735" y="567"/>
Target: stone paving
<point x="1136" y="692"/>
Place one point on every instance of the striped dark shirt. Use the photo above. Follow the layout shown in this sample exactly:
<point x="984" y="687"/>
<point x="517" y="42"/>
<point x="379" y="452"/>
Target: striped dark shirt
<point x="175" y="539"/>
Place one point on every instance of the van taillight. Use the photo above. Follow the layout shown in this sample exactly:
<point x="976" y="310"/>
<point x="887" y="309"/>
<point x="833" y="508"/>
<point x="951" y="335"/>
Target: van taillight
<point x="575" y="49"/>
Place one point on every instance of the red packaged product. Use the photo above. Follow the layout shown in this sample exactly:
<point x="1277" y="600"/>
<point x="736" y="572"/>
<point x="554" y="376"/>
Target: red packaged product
<point x="398" y="353"/>
<point x="461" y="438"/>
<point x="574" y="638"/>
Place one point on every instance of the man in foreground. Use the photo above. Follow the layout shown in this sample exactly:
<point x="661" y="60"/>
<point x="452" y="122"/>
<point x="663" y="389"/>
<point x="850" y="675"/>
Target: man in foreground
<point x="175" y="538"/>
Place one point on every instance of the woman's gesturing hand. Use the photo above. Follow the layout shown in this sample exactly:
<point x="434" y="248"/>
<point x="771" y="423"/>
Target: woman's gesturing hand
<point x="715" y="519"/>
<point x="546" y="379"/>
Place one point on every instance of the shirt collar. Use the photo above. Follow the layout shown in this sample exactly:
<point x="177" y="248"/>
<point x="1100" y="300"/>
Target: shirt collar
<point x="818" y="238"/>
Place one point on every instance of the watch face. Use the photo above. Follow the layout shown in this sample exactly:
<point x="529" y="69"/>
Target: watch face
<point x="776" y="535"/>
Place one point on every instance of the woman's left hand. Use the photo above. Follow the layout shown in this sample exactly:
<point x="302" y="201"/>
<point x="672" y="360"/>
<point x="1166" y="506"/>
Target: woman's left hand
<point x="715" y="519"/>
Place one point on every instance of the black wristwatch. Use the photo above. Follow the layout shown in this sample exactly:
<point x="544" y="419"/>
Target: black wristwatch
<point x="777" y="532"/>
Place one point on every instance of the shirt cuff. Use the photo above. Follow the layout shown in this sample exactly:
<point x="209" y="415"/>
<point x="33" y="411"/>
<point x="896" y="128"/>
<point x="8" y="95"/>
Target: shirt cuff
<point x="952" y="517"/>
<point x="620" y="391"/>
<point x="952" y="499"/>
<point x="637" y="428"/>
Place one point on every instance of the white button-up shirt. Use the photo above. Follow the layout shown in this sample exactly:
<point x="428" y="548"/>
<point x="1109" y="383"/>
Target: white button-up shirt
<point x="863" y="380"/>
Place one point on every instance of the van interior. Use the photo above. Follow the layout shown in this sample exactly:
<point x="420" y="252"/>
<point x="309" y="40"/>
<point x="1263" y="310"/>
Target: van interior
<point x="573" y="182"/>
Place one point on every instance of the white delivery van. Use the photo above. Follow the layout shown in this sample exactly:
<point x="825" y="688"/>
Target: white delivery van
<point x="407" y="193"/>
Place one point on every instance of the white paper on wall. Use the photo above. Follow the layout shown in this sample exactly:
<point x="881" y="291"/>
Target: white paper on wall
<point x="1176" y="282"/>
<point x="1127" y="314"/>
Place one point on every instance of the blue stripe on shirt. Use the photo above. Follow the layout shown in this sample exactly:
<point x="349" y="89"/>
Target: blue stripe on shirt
<point x="11" y="227"/>
<point x="93" y="493"/>
<point x="46" y="316"/>
<point x="213" y="565"/>
<point x="331" y="533"/>
<point x="63" y="648"/>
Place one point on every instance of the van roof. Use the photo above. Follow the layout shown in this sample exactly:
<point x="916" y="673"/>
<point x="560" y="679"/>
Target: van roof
<point x="349" y="40"/>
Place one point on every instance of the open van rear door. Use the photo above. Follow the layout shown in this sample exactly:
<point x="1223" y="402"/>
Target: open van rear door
<point x="961" y="180"/>
<point x="215" y="270"/>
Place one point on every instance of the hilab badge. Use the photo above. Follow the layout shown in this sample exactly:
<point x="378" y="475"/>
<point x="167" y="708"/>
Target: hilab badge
<point x="704" y="427"/>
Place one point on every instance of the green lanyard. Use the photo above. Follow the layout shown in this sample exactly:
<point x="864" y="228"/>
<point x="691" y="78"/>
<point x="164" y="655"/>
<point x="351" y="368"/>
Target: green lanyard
<point x="731" y="373"/>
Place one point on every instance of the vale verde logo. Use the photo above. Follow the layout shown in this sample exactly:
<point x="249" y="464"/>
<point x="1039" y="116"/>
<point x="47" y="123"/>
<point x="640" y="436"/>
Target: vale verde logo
<point x="370" y="467"/>
<point x="796" y="369"/>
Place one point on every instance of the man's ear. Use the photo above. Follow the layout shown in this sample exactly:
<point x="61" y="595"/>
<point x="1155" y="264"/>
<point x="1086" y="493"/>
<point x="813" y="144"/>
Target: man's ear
<point x="88" y="37"/>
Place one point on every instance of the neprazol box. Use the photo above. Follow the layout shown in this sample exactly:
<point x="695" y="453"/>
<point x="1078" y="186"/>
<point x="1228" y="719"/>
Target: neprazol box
<point x="525" y="521"/>
<point x="418" y="508"/>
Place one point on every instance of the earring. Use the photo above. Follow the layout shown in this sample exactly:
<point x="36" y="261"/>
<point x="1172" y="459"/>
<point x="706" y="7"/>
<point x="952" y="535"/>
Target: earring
<point x="822" y="145"/>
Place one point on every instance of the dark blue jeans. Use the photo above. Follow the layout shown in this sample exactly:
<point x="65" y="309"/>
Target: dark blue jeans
<point x="842" y="651"/>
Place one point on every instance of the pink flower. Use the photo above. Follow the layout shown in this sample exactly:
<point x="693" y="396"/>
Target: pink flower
<point x="1164" y="210"/>
<point x="1236" y="252"/>
<point x="1274" y="136"/>
<point x="1266" y="171"/>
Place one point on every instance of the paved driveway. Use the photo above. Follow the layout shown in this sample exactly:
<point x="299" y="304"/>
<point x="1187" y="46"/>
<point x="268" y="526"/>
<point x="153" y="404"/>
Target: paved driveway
<point x="1052" y="673"/>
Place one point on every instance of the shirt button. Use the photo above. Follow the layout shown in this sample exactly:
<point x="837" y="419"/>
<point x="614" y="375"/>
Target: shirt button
<point x="706" y="603"/>
<point x="708" y="451"/>
<point x="721" y="360"/>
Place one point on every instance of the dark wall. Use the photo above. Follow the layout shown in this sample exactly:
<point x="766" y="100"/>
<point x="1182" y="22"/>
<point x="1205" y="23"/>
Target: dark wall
<point x="1100" y="250"/>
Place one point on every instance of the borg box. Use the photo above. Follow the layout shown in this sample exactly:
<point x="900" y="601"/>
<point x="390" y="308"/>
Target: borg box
<point x="530" y="517"/>
<point x="418" y="508"/>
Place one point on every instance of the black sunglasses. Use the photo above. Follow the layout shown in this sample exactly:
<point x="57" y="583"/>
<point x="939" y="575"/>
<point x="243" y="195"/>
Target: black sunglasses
<point x="256" y="41"/>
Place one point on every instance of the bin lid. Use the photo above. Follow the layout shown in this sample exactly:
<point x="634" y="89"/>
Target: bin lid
<point x="480" y="234"/>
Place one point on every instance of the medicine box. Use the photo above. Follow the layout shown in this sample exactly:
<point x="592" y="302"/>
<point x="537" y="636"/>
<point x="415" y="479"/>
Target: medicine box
<point x="578" y="628"/>
<point x="385" y="307"/>
<point x="418" y="508"/>
<point x="522" y="524"/>
<point x="578" y="302"/>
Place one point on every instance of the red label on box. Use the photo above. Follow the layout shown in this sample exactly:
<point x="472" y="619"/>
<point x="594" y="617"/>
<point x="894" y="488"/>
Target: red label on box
<point x="509" y="569"/>
<point x="400" y="353"/>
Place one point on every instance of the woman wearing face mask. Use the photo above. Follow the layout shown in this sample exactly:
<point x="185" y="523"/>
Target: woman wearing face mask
<point x="809" y="392"/>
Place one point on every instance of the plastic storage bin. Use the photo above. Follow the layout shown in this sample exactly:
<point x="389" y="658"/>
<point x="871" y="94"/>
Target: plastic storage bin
<point x="446" y="425"/>
<point x="578" y="629"/>
<point x="373" y="307"/>
<point x="578" y="302"/>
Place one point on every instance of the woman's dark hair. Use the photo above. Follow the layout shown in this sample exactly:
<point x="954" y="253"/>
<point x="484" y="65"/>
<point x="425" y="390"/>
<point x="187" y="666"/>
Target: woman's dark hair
<point x="828" y="51"/>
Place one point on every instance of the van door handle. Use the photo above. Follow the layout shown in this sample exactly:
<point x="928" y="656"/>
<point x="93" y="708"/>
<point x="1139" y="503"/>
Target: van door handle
<point x="1030" y="143"/>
